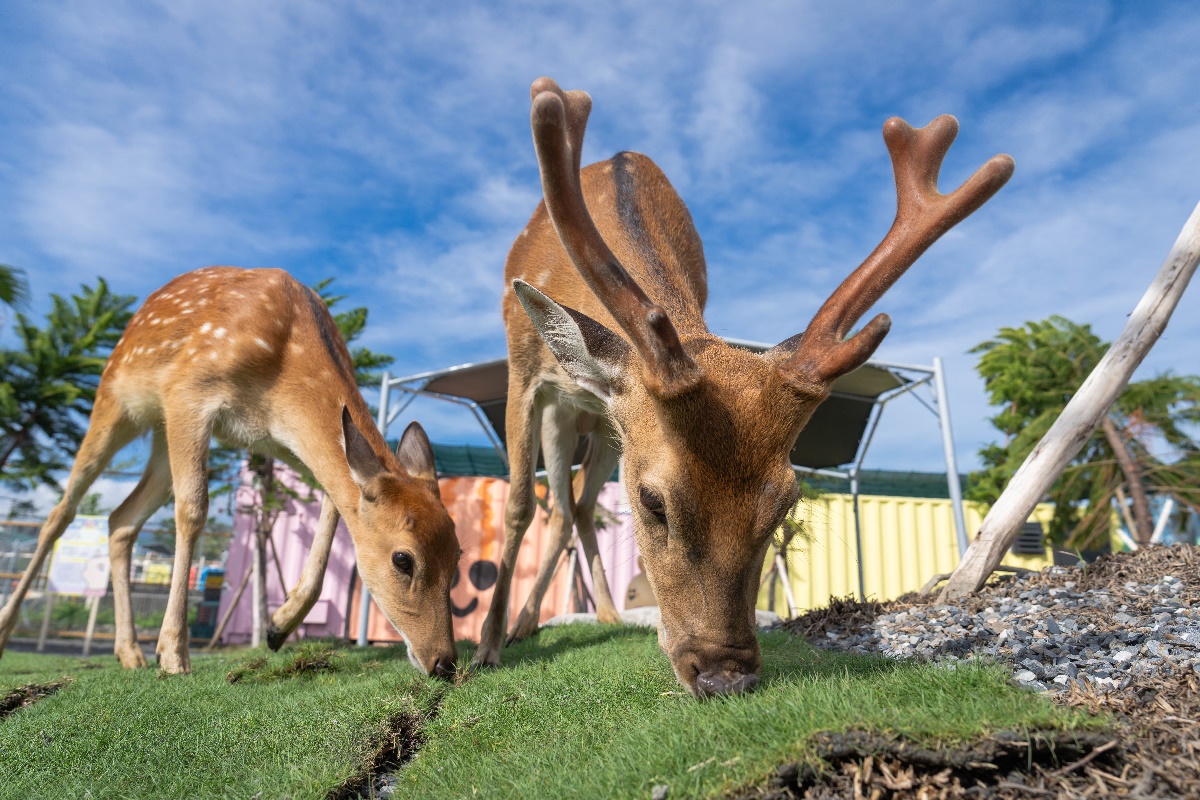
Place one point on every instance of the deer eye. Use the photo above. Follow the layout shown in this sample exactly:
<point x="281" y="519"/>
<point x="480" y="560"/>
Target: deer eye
<point x="403" y="562"/>
<point x="653" y="503"/>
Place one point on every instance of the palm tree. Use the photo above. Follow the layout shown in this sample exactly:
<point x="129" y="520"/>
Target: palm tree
<point x="1030" y="373"/>
<point x="48" y="385"/>
<point x="14" y="289"/>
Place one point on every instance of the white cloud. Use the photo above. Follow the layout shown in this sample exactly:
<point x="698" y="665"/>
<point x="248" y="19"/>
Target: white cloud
<point x="391" y="148"/>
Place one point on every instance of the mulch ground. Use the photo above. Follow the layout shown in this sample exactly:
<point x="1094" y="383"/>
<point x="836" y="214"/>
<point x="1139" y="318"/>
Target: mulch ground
<point x="1151" y="751"/>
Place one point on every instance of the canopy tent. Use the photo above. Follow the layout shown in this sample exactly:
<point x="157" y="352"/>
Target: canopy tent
<point x="834" y="444"/>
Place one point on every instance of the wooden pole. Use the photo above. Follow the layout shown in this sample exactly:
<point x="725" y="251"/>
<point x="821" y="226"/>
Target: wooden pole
<point x="1081" y="416"/>
<point x="229" y="611"/>
<point x="41" y="645"/>
<point x="91" y="626"/>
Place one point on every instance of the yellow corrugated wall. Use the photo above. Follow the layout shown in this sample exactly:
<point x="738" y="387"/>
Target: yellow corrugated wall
<point x="905" y="541"/>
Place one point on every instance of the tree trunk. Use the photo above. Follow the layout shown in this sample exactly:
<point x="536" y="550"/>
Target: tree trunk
<point x="18" y="438"/>
<point x="258" y="632"/>
<point x="1133" y="478"/>
<point x="1079" y="419"/>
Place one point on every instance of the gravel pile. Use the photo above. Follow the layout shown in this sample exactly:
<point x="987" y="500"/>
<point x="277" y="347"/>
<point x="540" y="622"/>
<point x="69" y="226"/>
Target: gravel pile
<point x="1125" y="617"/>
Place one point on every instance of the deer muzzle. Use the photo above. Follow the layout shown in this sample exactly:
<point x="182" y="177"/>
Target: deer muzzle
<point x="709" y="669"/>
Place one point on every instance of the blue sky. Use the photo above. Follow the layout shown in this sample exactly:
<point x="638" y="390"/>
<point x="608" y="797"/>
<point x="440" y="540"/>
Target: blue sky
<point x="388" y="145"/>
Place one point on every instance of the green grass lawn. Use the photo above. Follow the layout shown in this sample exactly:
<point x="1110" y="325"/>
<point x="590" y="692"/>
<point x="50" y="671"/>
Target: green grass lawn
<point x="125" y="733"/>
<point x="579" y="711"/>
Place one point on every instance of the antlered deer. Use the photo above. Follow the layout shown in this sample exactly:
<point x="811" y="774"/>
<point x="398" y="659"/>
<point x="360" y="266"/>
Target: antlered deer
<point x="253" y="358"/>
<point x="705" y="428"/>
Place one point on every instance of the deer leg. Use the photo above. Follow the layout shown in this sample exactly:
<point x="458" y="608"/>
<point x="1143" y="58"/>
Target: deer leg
<point x="124" y="524"/>
<point x="187" y="440"/>
<point x="560" y="435"/>
<point x="301" y="599"/>
<point x="109" y="431"/>
<point x="597" y="469"/>
<point x="522" y="421"/>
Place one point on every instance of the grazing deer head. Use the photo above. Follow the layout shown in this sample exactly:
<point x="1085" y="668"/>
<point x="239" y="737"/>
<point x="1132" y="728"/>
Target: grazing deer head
<point x="705" y="428"/>
<point x="253" y="358"/>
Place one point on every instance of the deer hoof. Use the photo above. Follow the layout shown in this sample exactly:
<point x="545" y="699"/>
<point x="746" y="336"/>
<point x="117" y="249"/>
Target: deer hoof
<point x="485" y="659"/>
<point x="275" y="637"/>
<point x="130" y="656"/>
<point x="174" y="663"/>
<point x="526" y="626"/>
<point x="609" y="616"/>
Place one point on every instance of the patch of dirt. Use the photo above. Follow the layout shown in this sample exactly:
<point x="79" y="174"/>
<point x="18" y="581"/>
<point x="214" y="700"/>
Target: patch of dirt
<point x="308" y="660"/>
<point x="843" y="613"/>
<point x="28" y="694"/>
<point x="396" y="742"/>
<point x="1159" y="736"/>
<point x="864" y="765"/>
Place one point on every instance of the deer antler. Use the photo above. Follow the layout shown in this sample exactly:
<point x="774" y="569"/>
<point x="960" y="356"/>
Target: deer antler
<point x="558" y="119"/>
<point x="923" y="214"/>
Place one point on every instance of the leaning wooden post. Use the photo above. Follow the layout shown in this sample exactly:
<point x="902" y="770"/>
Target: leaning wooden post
<point x="220" y="631"/>
<point x="1081" y="416"/>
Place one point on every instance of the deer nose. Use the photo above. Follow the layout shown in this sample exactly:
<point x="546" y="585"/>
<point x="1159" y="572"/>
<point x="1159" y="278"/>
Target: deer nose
<point x="444" y="668"/>
<point x="724" y="682"/>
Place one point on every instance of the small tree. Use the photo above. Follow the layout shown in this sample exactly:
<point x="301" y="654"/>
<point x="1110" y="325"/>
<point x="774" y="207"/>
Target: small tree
<point x="1031" y="373"/>
<point x="48" y="385"/>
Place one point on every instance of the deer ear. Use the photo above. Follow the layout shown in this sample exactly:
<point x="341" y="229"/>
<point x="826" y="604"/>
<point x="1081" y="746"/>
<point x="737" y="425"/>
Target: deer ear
<point x="590" y="353"/>
<point x="415" y="454"/>
<point x="364" y="464"/>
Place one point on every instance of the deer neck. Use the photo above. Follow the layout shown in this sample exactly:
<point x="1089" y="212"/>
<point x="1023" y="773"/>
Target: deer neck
<point x="319" y="446"/>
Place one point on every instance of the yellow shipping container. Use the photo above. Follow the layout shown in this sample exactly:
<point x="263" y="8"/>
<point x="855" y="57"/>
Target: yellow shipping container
<point x="905" y="542"/>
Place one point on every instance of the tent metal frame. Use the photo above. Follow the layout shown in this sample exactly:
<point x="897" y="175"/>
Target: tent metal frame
<point x="911" y="376"/>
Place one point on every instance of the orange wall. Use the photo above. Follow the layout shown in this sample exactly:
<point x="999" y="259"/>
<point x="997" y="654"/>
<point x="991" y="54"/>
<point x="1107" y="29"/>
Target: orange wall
<point x="477" y="507"/>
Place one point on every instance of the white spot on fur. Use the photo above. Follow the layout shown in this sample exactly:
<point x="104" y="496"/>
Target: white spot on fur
<point x="213" y="355"/>
<point x="263" y="344"/>
<point x="206" y="327"/>
<point x="219" y="333"/>
<point x="295" y="348"/>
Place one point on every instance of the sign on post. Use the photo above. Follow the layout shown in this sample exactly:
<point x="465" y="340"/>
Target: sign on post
<point x="79" y="566"/>
<point x="80" y="563"/>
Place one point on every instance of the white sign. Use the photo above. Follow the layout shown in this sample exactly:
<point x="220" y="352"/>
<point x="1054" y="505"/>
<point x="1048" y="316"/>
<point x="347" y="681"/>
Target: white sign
<point x="80" y="563"/>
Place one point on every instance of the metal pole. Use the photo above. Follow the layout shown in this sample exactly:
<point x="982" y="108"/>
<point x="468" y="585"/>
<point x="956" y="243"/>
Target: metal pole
<point x="956" y="499"/>
<point x="364" y="600"/>
<point x="862" y="589"/>
<point x="398" y="410"/>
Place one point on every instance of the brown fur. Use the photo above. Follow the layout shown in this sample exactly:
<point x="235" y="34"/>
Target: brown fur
<point x="254" y="358"/>
<point x="705" y="429"/>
